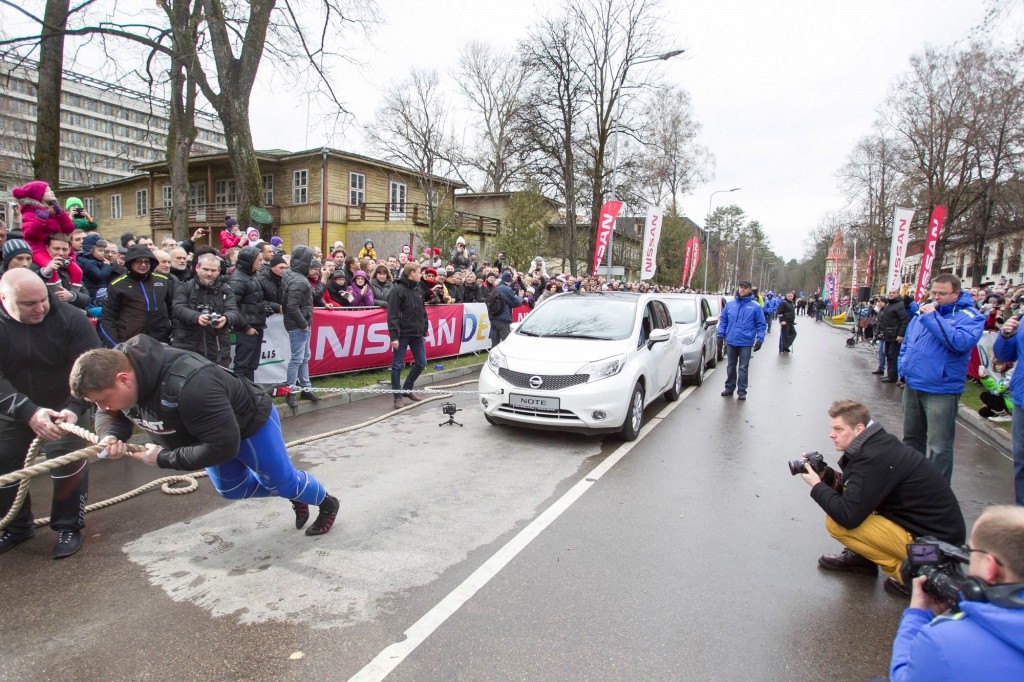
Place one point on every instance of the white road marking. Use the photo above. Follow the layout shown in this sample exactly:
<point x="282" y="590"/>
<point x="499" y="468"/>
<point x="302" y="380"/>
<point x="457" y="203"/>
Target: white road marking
<point x="392" y="656"/>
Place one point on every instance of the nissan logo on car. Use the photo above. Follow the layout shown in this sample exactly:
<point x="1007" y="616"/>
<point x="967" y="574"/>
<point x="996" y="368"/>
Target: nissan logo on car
<point x="536" y="381"/>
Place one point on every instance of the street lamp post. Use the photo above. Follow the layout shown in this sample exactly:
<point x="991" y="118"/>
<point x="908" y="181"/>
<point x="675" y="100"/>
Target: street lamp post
<point x="707" y="232"/>
<point x="615" y="146"/>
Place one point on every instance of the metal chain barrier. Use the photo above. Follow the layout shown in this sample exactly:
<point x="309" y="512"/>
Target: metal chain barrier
<point x="24" y="476"/>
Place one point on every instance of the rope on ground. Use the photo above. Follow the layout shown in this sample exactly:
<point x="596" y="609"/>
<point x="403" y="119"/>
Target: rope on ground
<point x="389" y="391"/>
<point x="24" y="476"/>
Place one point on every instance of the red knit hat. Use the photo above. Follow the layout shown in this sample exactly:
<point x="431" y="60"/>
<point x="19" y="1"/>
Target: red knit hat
<point x="33" y="190"/>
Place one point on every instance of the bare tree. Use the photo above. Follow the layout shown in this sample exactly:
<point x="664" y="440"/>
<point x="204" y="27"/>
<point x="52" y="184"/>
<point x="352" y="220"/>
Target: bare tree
<point x="492" y="82"/>
<point x="412" y="129"/>
<point x="676" y="162"/>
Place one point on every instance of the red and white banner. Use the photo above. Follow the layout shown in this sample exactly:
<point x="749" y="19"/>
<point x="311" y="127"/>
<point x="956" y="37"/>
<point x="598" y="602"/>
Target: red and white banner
<point x="898" y="250"/>
<point x="686" y="261"/>
<point x="694" y="259"/>
<point x="609" y="213"/>
<point x="652" y="235"/>
<point x="346" y="340"/>
<point x="928" y="256"/>
<point x="867" y="270"/>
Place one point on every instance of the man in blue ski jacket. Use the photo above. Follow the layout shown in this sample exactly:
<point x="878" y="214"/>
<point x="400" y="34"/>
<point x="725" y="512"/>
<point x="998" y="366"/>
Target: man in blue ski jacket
<point x="742" y="326"/>
<point x="936" y="349"/>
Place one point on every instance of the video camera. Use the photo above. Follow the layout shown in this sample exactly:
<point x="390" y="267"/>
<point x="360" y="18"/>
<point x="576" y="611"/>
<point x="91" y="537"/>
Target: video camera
<point x="940" y="562"/>
<point x="449" y="409"/>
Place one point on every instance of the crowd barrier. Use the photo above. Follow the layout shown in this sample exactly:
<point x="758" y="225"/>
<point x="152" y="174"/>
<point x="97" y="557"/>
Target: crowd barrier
<point x="348" y="340"/>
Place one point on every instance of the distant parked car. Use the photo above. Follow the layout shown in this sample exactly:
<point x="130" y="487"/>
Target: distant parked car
<point x="697" y="333"/>
<point x="585" y="362"/>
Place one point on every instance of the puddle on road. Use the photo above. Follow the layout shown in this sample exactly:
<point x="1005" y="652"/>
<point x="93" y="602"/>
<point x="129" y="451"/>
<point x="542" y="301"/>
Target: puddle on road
<point x="416" y="499"/>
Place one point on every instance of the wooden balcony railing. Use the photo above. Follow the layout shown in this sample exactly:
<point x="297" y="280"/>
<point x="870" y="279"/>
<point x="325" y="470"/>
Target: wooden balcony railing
<point x="210" y="216"/>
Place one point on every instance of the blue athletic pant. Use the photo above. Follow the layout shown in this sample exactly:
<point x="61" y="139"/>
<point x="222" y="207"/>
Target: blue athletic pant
<point x="262" y="468"/>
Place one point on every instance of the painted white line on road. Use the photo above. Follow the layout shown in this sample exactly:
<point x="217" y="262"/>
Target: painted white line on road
<point x="392" y="656"/>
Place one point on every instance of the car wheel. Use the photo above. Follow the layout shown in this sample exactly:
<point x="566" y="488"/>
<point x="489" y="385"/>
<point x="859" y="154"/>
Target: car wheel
<point x="672" y="394"/>
<point x="634" y="414"/>
<point x="698" y="378"/>
<point x="713" y="362"/>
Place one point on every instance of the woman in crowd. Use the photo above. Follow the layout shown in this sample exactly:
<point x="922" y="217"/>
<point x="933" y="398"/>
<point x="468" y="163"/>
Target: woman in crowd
<point x="362" y="294"/>
<point x="381" y="285"/>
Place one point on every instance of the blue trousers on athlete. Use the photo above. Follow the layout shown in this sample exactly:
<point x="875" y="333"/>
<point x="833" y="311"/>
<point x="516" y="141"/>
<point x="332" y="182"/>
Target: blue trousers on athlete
<point x="262" y="468"/>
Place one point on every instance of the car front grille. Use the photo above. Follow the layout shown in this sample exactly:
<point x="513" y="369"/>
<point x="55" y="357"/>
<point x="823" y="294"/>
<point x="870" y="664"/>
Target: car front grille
<point x="559" y="416"/>
<point x="550" y="382"/>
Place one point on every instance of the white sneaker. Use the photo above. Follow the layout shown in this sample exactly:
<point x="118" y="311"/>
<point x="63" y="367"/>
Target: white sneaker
<point x="1001" y="418"/>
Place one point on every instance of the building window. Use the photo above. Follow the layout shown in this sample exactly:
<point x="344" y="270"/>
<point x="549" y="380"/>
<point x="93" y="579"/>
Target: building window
<point x="268" y="189"/>
<point x="356" y="189"/>
<point x="300" y="186"/>
<point x="196" y="195"/>
<point x="398" y="195"/>
<point x="89" y="204"/>
<point x="142" y="202"/>
<point x="115" y="206"/>
<point x="168" y="197"/>
<point x="224" y="193"/>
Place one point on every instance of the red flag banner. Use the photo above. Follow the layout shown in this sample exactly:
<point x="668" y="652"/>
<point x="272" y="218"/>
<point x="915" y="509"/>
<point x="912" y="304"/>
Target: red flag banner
<point x="686" y="262"/>
<point x="867" y="271"/>
<point x="609" y="212"/>
<point x="694" y="258"/>
<point x="928" y="256"/>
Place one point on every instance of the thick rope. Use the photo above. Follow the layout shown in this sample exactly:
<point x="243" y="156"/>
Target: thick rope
<point x="23" y="476"/>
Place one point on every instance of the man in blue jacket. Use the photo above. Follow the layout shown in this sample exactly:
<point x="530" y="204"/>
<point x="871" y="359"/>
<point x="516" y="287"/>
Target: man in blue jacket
<point x="936" y="349"/>
<point x="983" y="641"/>
<point x="1009" y="346"/>
<point x="742" y="326"/>
<point x="501" y="325"/>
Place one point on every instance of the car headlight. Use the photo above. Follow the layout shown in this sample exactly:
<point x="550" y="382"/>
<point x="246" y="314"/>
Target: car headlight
<point x="602" y="369"/>
<point x="689" y="338"/>
<point x="496" y="360"/>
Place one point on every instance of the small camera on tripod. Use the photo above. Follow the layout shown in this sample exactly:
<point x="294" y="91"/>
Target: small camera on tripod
<point x="449" y="410"/>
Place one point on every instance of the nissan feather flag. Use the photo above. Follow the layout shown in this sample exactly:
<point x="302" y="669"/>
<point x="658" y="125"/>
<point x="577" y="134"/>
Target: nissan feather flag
<point x="694" y="259"/>
<point x="928" y="257"/>
<point x="609" y="212"/>
<point x="652" y="234"/>
<point x="898" y="251"/>
<point x="686" y="262"/>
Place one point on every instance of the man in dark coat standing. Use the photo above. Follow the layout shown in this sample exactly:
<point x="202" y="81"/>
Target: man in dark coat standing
<point x="787" y="322"/>
<point x="252" y="315"/>
<point x="407" y="327"/>
<point x="893" y="325"/>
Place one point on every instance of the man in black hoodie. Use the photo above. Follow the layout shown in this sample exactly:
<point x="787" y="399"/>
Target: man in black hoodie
<point x="407" y="326"/>
<point x="886" y="495"/>
<point x="297" y="302"/>
<point x="41" y="339"/>
<point x="893" y="325"/>
<point x="252" y="315"/>
<point x="138" y="302"/>
<point x="201" y="416"/>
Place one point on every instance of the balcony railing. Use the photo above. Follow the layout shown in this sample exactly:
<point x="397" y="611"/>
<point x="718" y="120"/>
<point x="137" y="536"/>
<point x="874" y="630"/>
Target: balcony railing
<point x="212" y="216"/>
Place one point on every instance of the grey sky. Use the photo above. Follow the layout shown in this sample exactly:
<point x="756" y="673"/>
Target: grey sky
<point x="783" y="89"/>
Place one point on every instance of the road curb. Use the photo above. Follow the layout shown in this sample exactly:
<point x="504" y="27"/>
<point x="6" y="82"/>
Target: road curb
<point x="999" y="437"/>
<point x="339" y="399"/>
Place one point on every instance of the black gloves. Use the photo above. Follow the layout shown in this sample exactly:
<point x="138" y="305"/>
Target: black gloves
<point x="757" y="346"/>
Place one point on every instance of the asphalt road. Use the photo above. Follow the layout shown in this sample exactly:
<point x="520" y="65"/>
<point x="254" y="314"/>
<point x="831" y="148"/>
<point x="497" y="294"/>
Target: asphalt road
<point x="492" y="553"/>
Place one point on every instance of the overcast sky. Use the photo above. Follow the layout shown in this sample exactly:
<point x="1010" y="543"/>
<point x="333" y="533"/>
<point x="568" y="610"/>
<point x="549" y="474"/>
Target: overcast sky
<point x="783" y="89"/>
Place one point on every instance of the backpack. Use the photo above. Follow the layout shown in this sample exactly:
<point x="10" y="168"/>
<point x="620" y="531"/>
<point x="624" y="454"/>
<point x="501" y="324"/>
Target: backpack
<point x="495" y="303"/>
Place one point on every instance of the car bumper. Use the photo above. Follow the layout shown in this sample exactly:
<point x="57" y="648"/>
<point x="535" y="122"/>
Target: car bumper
<point x="579" y="406"/>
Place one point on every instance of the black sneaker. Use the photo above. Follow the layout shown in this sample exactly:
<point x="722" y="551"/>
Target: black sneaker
<point x="848" y="561"/>
<point x="68" y="542"/>
<point x="310" y="396"/>
<point x="325" y="519"/>
<point x="726" y="394"/>
<point x="9" y="538"/>
<point x="301" y="513"/>
<point x="879" y="371"/>
<point x="741" y="396"/>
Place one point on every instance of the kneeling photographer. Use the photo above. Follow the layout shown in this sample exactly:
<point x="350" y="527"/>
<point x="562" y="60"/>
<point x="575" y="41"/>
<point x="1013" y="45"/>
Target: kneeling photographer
<point x="886" y="495"/>
<point x="984" y="640"/>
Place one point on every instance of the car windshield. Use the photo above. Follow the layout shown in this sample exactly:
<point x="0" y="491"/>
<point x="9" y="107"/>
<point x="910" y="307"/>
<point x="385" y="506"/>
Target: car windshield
<point x="684" y="311"/>
<point x="582" y="317"/>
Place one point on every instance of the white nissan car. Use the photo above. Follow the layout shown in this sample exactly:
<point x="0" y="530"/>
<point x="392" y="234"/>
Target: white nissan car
<point x="585" y="362"/>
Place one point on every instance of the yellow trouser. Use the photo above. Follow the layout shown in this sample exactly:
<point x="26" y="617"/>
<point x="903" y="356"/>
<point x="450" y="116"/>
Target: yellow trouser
<point x="877" y="539"/>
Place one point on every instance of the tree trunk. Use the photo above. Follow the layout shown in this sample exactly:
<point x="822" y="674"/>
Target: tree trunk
<point x="234" y="114"/>
<point x="46" y="158"/>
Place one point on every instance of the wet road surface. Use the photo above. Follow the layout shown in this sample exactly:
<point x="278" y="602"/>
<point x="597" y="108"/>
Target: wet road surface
<point x="693" y="557"/>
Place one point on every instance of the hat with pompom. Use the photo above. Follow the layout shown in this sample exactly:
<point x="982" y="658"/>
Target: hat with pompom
<point x="229" y="222"/>
<point x="33" y="190"/>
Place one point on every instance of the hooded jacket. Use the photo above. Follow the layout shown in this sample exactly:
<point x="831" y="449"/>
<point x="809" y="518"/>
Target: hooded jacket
<point x="137" y="304"/>
<point x="742" y="322"/>
<point x="407" y="313"/>
<point x="893" y="320"/>
<point x="882" y="475"/>
<point x="937" y="347"/>
<point x="204" y="427"/>
<point x="297" y="293"/>
<point x="361" y="297"/>
<point x="982" y="642"/>
<point x="249" y="296"/>
<point x="95" y="273"/>
<point x="37" y="358"/>
<point x="1012" y="349"/>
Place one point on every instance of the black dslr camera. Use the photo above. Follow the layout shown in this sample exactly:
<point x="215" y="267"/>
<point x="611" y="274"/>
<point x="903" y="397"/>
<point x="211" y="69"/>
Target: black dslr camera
<point x="815" y="459"/>
<point x="940" y="562"/>
<point x="449" y="409"/>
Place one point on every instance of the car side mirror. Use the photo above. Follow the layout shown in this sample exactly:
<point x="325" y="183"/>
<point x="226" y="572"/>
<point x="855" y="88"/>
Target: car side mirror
<point x="711" y="322"/>
<point x="659" y="335"/>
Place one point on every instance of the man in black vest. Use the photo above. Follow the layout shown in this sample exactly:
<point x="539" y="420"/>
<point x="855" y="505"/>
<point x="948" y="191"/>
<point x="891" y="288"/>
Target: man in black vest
<point x="201" y="416"/>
